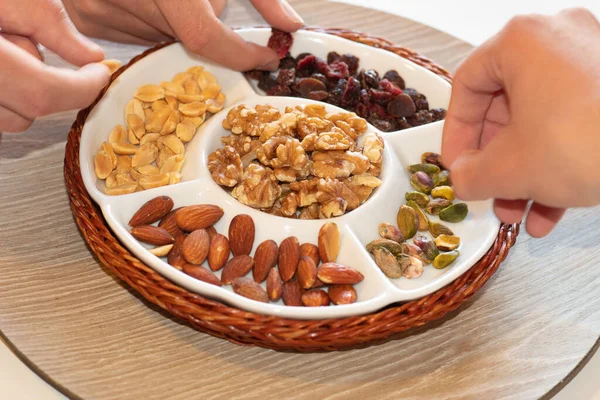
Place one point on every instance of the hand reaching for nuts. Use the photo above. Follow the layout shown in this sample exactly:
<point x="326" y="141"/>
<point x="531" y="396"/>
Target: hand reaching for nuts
<point x="523" y="120"/>
<point x="195" y="22"/>
<point x="30" y="88"/>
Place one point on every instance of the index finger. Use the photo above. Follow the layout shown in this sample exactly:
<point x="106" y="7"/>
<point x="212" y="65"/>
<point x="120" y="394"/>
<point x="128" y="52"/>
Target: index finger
<point x="196" y="25"/>
<point x="475" y="83"/>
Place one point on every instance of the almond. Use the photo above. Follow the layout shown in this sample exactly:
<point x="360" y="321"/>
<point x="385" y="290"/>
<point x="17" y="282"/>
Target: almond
<point x="152" y="235"/>
<point x="342" y="294"/>
<point x="236" y="267"/>
<point x="318" y="283"/>
<point x="289" y="255"/>
<point x="195" y="247"/>
<point x="202" y="216"/>
<point x="162" y="250"/>
<point x="201" y="273"/>
<point x="152" y="211"/>
<point x="329" y="242"/>
<point x="310" y="250"/>
<point x="338" y="274"/>
<point x="169" y="222"/>
<point x="247" y="287"/>
<point x="211" y="231"/>
<point x="315" y="298"/>
<point x="265" y="258"/>
<point x="219" y="251"/>
<point x="274" y="285"/>
<point x="175" y="258"/>
<point x="307" y="272"/>
<point x="292" y="293"/>
<point x="241" y="234"/>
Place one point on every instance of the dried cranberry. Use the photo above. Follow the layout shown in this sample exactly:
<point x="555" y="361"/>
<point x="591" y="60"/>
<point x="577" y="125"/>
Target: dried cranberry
<point x="351" y="94"/>
<point x="318" y="95"/>
<point x="267" y="82"/>
<point x="394" y="77"/>
<point x="379" y="111"/>
<point x="280" y="41"/>
<point x="401" y="106"/>
<point x="286" y="77"/>
<point x="335" y="95"/>
<point x="381" y="97"/>
<point x="352" y="63"/>
<point x="332" y="57"/>
<point x="287" y="62"/>
<point x="382" y="125"/>
<point x="390" y="87"/>
<point x="438" y="114"/>
<point x="308" y="85"/>
<point x="336" y="70"/>
<point x="302" y="56"/>
<point x="420" y="118"/>
<point x="421" y="102"/>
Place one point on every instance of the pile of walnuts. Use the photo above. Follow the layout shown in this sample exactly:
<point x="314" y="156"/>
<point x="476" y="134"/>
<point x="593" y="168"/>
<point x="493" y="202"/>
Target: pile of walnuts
<point x="304" y="163"/>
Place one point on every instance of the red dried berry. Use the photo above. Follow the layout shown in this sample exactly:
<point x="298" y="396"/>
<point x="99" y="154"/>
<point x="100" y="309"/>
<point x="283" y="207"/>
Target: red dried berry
<point x="394" y="77"/>
<point x="351" y="93"/>
<point x="390" y="87"/>
<point x="380" y="97"/>
<point x="281" y="42"/>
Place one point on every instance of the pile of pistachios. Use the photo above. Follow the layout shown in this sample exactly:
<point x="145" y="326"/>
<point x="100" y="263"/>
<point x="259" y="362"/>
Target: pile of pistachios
<point x="432" y="242"/>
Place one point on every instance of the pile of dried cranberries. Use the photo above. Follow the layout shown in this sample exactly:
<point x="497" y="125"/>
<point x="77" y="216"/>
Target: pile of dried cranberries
<point x="385" y="101"/>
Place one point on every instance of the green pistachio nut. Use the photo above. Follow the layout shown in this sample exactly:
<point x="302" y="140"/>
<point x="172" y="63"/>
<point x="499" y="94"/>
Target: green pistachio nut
<point x="436" y="229"/>
<point x="447" y="242"/>
<point x="387" y="262"/>
<point x="435" y="206"/>
<point x="393" y="247"/>
<point x="420" y="198"/>
<point x="454" y="213"/>
<point x="421" y="182"/>
<point x="445" y="259"/>
<point x="407" y="221"/>
<point x="441" y="179"/>
<point x="389" y="231"/>
<point x="422" y="220"/>
<point x="427" y="245"/>
<point x="443" y="192"/>
<point x="429" y="169"/>
<point x="432" y="158"/>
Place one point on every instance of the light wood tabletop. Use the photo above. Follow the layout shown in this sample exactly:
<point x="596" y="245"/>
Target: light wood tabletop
<point x="522" y="336"/>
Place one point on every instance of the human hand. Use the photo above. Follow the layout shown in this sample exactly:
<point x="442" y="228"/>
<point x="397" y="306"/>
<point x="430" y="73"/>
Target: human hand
<point x="195" y="22"/>
<point x="524" y="117"/>
<point x="30" y="88"/>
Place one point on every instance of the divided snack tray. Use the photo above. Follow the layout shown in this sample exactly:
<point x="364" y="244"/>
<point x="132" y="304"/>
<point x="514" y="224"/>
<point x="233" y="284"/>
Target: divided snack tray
<point x="357" y="228"/>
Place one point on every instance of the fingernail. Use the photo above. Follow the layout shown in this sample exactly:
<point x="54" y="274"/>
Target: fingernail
<point x="289" y="10"/>
<point x="270" y="65"/>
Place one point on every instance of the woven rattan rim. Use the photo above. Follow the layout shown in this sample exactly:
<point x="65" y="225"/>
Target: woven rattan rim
<point x="244" y="327"/>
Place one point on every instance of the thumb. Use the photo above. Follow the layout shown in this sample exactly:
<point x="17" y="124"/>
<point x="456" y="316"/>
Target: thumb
<point x="279" y="14"/>
<point x="497" y="171"/>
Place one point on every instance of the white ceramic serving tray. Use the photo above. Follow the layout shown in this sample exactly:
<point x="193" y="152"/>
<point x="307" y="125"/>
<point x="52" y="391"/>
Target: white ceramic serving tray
<point x="357" y="228"/>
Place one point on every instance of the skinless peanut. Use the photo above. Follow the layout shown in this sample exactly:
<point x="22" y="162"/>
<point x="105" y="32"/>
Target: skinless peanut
<point x="174" y="177"/>
<point x="155" y="123"/>
<point x="105" y="161"/>
<point x="149" y="138"/>
<point x="197" y="121"/>
<point x="172" y="164"/>
<point x="153" y="181"/>
<point x="191" y="87"/>
<point x="172" y="102"/>
<point x="186" y="130"/>
<point x="148" y="169"/>
<point x="172" y="87"/>
<point x="171" y="123"/>
<point x="150" y="93"/>
<point x="173" y="143"/>
<point x="122" y="189"/>
<point x="123" y="148"/>
<point x="135" y="107"/>
<point x="194" y="109"/>
<point x="190" y="98"/>
<point x="145" y="155"/>
<point x="118" y="135"/>
<point x="211" y="91"/>
<point x="132" y="138"/>
<point x="217" y="104"/>
<point x="181" y="77"/>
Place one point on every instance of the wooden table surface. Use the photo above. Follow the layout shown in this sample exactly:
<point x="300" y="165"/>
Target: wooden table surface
<point x="531" y="326"/>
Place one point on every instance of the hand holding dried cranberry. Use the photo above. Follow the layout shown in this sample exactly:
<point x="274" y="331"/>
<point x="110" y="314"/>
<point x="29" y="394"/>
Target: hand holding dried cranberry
<point x="523" y="122"/>
<point x="195" y="22"/>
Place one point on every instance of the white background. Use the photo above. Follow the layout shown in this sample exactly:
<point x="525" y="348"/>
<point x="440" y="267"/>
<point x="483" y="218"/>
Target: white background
<point x="470" y="20"/>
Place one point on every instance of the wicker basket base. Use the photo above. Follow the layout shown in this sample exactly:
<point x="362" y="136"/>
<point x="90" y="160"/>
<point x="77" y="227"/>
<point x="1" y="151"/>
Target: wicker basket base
<point x="272" y="332"/>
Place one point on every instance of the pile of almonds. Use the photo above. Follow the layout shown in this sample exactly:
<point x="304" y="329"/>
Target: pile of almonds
<point x="397" y="257"/>
<point x="160" y="120"/>
<point x="296" y="273"/>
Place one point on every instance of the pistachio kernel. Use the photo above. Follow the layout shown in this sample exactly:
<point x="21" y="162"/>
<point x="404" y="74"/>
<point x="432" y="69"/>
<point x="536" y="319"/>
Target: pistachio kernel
<point x="432" y="158"/>
<point x="441" y="179"/>
<point x="429" y="169"/>
<point x="421" y="182"/>
<point x="435" y="206"/>
<point x="407" y="221"/>
<point x="394" y="247"/>
<point x="447" y="242"/>
<point x="422" y="220"/>
<point x="454" y="213"/>
<point x="445" y="259"/>
<point x="436" y="229"/>
<point x="412" y="250"/>
<point x="425" y="243"/>
<point x="420" y="198"/>
<point x="388" y="231"/>
<point x="387" y="262"/>
<point x="443" y="192"/>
